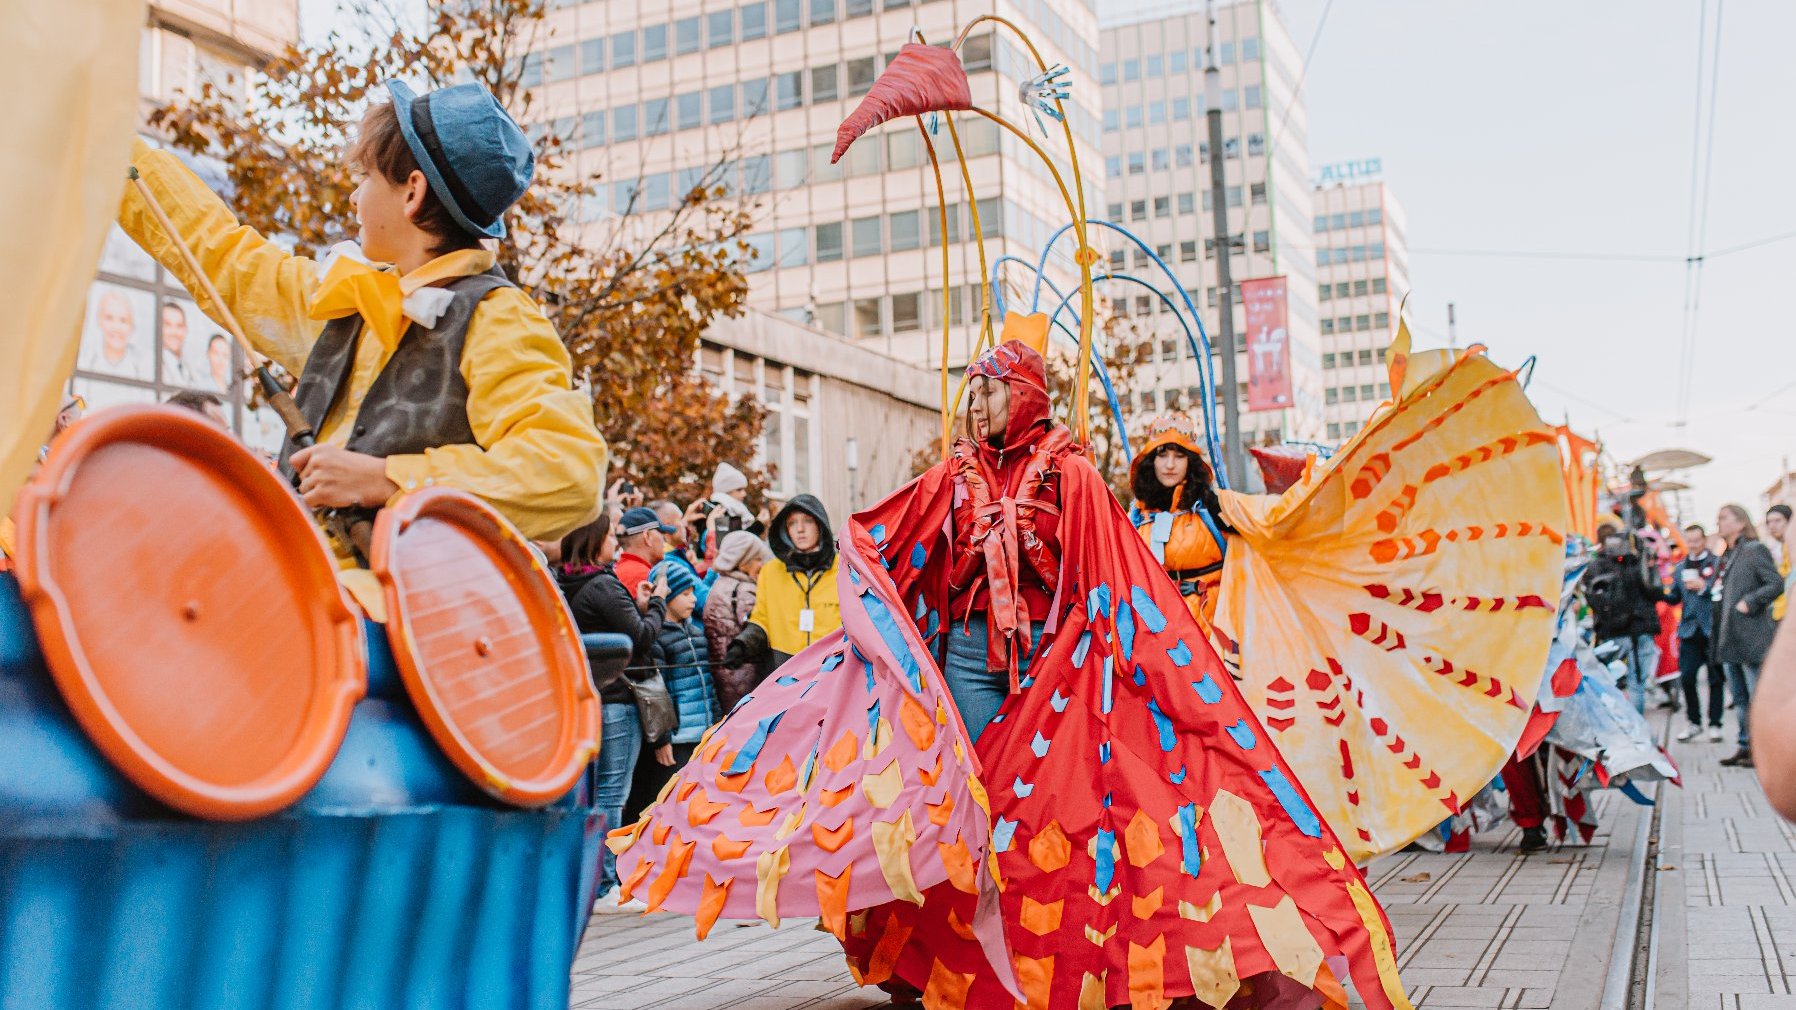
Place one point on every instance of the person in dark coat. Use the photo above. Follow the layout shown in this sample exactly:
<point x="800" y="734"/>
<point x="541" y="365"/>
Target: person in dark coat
<point x="737" y="563"/>
<point x="1622" y="597"/>
<point x="681" y="658"/>
<point x="1693" y="583"/>
<point x="1743" y="623"/>
<point x="600" y="603"/>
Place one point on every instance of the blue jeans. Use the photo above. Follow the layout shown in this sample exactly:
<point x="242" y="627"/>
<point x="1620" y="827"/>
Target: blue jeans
<point x="978" y="691"/>
<point x="1743" y="682"/>
<point x="620" y="743"/>
<point x="1641" y="653"/>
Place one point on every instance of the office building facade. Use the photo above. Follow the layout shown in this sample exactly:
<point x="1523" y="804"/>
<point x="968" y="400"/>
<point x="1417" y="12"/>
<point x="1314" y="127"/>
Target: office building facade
<point x="1157" y="185"/>
<point x="144" y="339"/>
<point x="1362" y="274"/>
<point x="653" y="96"/>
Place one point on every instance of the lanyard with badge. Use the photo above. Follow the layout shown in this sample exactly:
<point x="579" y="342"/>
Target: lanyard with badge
<point x="807" y="618"/>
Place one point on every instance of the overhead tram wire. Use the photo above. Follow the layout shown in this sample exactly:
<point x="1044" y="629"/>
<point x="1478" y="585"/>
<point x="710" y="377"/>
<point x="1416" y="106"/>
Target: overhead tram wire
<point x="1702" y="177"/>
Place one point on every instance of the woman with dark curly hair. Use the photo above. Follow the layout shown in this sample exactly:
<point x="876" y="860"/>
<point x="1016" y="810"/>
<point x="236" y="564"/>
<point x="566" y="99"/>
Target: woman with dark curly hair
<point x="1178" y="513"/>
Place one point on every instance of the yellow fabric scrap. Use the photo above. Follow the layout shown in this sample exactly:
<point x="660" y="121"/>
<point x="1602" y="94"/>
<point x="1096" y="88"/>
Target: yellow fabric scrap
<point x="1201" y="913"/>
<point x="1213" y="976"/>
<point x="1091" y="992"/>
<point x="1287" y="939"/>
<point x="893" y="841"/>
<point x="882" y="788"/>
<point x="1384" y="955"/>
<point x="1238" y="828"/>
<point x="770" y="869"/>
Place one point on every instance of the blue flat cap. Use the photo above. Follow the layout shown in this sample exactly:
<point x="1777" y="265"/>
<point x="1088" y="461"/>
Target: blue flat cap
<point x="477" y="159"/>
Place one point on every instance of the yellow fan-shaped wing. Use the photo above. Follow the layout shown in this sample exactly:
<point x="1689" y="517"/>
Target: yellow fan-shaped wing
<point x="1392" y="611"/>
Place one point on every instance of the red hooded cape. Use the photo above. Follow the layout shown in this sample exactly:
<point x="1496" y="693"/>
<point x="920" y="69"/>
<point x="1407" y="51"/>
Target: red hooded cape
<point x="1149" y="840"/>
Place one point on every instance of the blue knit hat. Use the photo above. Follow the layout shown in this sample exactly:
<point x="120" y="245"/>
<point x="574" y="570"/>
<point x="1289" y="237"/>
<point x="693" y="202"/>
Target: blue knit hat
<point x="477" y="159"/>
<point x="679" y="577"/>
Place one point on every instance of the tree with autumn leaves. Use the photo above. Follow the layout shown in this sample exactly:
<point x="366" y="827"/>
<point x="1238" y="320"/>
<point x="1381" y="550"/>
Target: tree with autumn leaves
<point x="629" y="295"/>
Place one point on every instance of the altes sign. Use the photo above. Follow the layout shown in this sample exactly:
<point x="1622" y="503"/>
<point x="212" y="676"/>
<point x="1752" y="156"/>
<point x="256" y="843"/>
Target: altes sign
<point x="1350" y="171"/>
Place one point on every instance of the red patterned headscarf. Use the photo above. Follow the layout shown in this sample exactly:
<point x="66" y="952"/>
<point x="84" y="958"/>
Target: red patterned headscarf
<point x="1022" y="369"/>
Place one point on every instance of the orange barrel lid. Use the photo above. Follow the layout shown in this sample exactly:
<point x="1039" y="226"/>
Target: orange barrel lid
<point x="486" y="646"/>
<point x="189" y="612"/>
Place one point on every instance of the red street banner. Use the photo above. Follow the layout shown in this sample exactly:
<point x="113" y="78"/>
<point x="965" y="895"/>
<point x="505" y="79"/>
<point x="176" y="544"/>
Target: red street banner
<point x="1268" y="344"/>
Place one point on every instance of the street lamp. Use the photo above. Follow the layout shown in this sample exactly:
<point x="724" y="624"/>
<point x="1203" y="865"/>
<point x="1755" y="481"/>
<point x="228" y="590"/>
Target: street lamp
<point x="1233" y="462"/>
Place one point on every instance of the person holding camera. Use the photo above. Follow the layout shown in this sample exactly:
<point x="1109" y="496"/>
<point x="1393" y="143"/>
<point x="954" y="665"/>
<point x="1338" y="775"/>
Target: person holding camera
<point x="1622" y="597"/>
<point x="1695" y="582"/>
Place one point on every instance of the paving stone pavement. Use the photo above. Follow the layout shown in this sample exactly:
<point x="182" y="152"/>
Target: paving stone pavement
<point x="1485" y="928"/>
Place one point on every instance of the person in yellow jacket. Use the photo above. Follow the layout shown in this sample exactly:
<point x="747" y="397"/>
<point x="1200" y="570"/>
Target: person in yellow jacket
<point x="1177" y="512"/>
<point x="1777" y="526"/>
<point x="437" y="371"/>
<point x="795" y="594"/>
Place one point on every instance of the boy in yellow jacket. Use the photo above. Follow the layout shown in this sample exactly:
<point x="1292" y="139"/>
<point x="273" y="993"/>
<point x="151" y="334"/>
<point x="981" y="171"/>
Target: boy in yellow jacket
<point x="438" y="371"/>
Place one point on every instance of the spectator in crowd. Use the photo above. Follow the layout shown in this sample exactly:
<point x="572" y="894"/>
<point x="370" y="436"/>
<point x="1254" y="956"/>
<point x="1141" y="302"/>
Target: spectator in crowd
<point x="729" y="500"/>
<point x="1743" y="624"/>
<point x="600" y="603"/>
<point x="621" y="496"/>
<point x="679" y="542"/>
<point x="1621" y="596"/>
<point x="1777" y="528"/>
<point x="795" y="595"/>
<point x="1775" y="713"/>
<point x="206" y="405"/>
<point x="681" y="657"/>
<point x="736" y="563"/>
<point x="1693" y="585"/>
<point x="641" y="543"/>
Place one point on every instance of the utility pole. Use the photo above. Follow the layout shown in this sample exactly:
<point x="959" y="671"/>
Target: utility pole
<point x="1452" y="329"/>
<point x="1233" y="462"/>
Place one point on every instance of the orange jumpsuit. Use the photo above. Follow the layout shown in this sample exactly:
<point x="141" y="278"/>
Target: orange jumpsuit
<point x="1192" y="555"/>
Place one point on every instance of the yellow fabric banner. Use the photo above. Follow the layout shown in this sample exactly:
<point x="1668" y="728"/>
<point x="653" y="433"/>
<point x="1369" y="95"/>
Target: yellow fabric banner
<point x="1391" y="612"/>
<point x="71" y="69"/>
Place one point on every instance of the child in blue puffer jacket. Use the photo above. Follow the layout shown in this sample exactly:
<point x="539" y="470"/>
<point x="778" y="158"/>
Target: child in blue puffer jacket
<point x="685" y="664"/>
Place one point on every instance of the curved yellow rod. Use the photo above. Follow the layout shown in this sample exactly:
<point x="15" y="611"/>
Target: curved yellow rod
<point x="1081" y="420"/>
<point x="1084" y="256"/>
<point x="941" y="201"/>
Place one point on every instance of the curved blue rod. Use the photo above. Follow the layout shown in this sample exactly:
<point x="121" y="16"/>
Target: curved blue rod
<point x="1202" y="354"/>
<point x="1103" y="373"/>
<point x="1209" y="416"/>
<point x="997" y="290"/>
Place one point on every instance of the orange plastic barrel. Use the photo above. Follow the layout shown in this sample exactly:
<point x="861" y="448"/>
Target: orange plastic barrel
<point x="485" y="645"/>
<point x="188" y="611"/>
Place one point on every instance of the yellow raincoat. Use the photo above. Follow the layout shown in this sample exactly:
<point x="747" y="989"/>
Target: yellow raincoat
<point x="539" y="459"/>
<point x="782" y="594"/>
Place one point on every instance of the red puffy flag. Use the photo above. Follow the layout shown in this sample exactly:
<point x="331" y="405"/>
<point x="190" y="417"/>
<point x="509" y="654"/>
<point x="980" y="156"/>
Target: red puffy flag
<point x="920" y="79"/>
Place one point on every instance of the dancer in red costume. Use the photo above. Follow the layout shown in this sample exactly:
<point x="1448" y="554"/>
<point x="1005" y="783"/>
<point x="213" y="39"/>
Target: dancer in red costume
<point x="1150" y="845"/>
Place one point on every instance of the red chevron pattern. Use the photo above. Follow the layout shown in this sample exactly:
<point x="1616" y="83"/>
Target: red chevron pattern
<point x="1428" y="541"/>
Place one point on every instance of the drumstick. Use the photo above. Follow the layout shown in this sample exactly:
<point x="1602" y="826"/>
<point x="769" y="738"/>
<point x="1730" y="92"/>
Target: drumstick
<point x="357" y="533"/>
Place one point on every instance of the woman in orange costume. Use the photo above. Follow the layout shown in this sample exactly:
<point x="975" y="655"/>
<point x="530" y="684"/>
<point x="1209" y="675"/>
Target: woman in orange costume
<point x="1178" y="514"/>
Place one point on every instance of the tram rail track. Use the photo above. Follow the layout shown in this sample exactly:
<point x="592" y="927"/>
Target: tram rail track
<point x="1630" y="983"/>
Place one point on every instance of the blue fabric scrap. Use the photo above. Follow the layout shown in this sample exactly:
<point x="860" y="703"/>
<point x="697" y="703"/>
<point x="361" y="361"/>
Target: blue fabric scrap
<point x="1207" y="690"/>
<point x="1295" y="808"/>
<point x="1151" y="618"/>
<point x="1243" y="735"/>
<point x="1168" y="740"/>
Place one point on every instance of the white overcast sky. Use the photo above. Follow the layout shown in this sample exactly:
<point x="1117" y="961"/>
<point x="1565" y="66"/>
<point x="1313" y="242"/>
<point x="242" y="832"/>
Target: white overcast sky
<point x="1567" y="127"/>
<point x="1553" y="127"/>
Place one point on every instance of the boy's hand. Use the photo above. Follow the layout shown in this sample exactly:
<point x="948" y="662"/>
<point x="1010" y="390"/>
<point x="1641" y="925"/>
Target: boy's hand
<point x="331" y="476"/>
